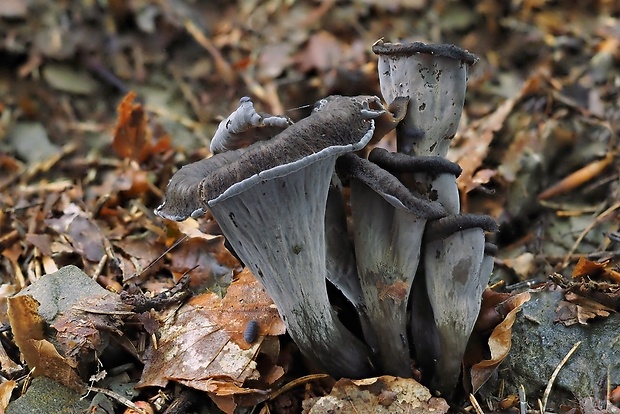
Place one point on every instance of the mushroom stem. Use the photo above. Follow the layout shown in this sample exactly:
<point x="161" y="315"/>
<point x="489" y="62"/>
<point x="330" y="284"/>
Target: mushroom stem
<point x="280" y="247"/>
<point x="434" y="77"/>
<point x="453" y="257"/>
<point x="389" y="222"/>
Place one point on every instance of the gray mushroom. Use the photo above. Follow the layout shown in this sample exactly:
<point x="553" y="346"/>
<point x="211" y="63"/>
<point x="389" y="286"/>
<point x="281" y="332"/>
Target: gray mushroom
<point x="340" y="257"/>
<point x="389" y="221"/>
<point x="245" y="126"/>
<point x="453" y="257"/>
<point x="434" y="77"/>
<point x="432" y="176"/>
<point x="270" y="204"/>
<point x="182" y="194"/>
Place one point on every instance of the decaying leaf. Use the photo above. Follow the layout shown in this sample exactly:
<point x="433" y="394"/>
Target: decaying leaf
<point x="6" y="390"/>
<point x="201" y="344"/>
<point x="40" y="354"/>
<point x="594" y="270"/>
<point x="384" y="394"/>
<point x="579" y="309"/>
<point x="83" y="232"/>
<point x="132" y="136"/>
<point x="499" y="343"/>
<point x="84" y="327"/>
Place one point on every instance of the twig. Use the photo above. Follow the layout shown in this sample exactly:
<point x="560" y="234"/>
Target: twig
<point x="223" y="67"/>
<point x="100" y="266"/>
<point x="297" y="382"/>
<point x="475" y="404"/>
<point x="522" y="400"/>
<point x="168" y="250"/>
<point x="555" y="374"/>
<point x="119" y="398"/>
<point x="585" y="231"/>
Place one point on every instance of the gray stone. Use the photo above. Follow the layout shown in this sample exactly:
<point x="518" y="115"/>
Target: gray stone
<point x="45" y="396"/>
<point x="539" y="344"/>
<point x="57" y="291"/>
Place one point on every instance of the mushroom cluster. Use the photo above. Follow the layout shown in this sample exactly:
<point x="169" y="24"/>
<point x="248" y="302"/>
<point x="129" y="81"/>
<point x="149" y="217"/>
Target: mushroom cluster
<point x="410" y="263"/>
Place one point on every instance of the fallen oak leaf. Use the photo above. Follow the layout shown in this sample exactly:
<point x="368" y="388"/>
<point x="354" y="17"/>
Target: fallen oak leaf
<point x="201" y="343"/>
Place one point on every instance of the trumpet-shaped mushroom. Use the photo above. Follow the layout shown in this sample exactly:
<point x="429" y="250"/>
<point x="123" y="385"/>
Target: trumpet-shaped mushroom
<point x="389" y="222"/>
<point x="182" y="200"/>
<point x="270" y="204"/>
<point x="434" y="78"/>
<point x="246" y="126"/>
<point x="455" y="279"/>
<point x="433" y="176"/>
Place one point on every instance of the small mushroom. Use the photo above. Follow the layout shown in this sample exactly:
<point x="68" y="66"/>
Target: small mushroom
<point x="434" y="77"/>
<point x="389" y="222"/>
<point x="245" y="126"/>
<point x="270" y="204"/>
<point x="453" y="257"/>
<point x="432" y="176"/>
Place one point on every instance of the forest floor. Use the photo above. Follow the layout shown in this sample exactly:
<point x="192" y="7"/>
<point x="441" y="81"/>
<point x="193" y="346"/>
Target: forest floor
<point x="82" y="166"/>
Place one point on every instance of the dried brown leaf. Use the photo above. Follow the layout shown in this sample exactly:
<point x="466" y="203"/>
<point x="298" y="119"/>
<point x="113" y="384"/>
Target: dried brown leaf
<point x="579" y="309"/>
<point x="499" y="343"/>
<point x="6" y="389"/>
<point x="594" y="270"/>
<point x="384" y="394"/>
<point x="80" y="327"/>
<point x="40" y="354"/>
<point x="323" y="52"/>
<point x="83" y="232"/>
<point x="209" y="260"/>
<point x="201" y="344"/>
<point x="132" y="136"/>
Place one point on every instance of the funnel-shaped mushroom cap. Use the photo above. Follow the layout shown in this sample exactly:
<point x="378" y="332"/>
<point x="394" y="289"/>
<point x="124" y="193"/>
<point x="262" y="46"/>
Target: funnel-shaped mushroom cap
<point x="434" y="78"/>
<point x="432" y="176"/>
<point x="453" y="257"/>
<point x="270" y="204"/>
<point x="183" y="193"/>
<point x="245" y="126"/>
<point x="389" y="223"/>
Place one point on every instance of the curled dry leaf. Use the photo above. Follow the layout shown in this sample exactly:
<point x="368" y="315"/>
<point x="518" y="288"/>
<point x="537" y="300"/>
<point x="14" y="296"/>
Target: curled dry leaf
<point x="594" y="270"/>
<point x="132" y="136"/>
<point x="6" y="390"/>
<point x="499" y="343"/>
<point x="578" y="309"/>
<point x="40" y="355"/>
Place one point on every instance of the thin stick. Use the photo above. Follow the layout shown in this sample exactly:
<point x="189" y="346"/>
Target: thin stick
<point x="176" y="243"/>
<point x="522" y="400"/>
<point x="555" y="374"/>
<point x="585" y="231"/>
<point x="474" y="403"/>
<point x="126" y="402"/>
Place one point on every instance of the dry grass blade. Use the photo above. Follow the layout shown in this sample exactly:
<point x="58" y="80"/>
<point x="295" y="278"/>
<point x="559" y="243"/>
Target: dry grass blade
<point x="522" y="400"/>
<point x="475" y="404"/>
<point x="585" y="231"/>
<point x="119" y="398"/>
<point x="555" y="374"/>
